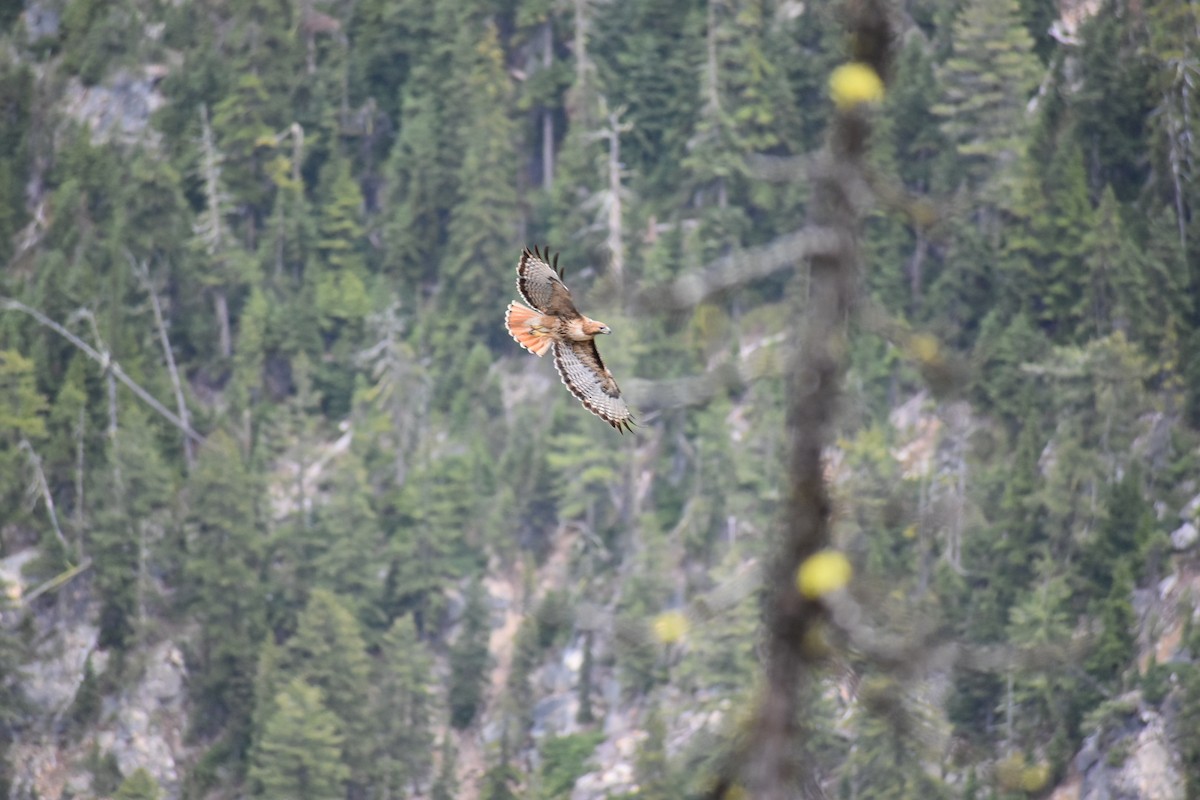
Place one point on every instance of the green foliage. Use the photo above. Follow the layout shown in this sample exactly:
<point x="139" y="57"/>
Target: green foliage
<point x="131" y="523"/>
<point x="403" y="694"/>
<point x="85" y="708"/>
<point x="222" y="584"/>
<point x="328" y="653"/>
<point x="501" y="780"/>
<point x="96" y="37"/>
<point x="445" y="787"/>
<point x="300" y="752"/>
<point x="140" y="785"/>
<point x="650" y="766"/>
<point x="564" y="761"/>
<point x="886" y="758"/>
<point x="985" y="83"/>
<point x="520" y="690"/>
<point x="332" y="263"/>
<point x="16" y="98"/>
<point x="1112" y="105"/>
<point x="106" y="772"/>
<point x="469" y="660"/>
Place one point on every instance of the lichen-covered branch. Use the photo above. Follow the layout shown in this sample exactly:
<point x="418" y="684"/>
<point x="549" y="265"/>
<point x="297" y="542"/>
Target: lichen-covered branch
<point x="774" y="766"/>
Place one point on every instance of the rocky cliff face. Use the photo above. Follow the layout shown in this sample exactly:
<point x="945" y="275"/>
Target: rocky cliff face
<point x="139" y="724"/>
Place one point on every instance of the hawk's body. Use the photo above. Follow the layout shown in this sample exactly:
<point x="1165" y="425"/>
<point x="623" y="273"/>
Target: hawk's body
<point x="554" y="322"/>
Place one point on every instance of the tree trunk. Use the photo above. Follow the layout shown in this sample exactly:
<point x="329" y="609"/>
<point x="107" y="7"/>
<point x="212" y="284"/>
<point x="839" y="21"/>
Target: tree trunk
<point x="221" y="306"/>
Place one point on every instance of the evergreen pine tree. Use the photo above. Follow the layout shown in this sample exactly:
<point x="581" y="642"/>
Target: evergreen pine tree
<point x="1112" y="105"/>
<point x="650" y="766"/>
<point x="329" y="653"/>
<point x="404" y="707"/>
<point x="222" y="588"/>
<point x="469" y="659"/>
<point x="300" y="753"/>
<point x="483" y="225"/>
<point x="986" y="83"/>
<point x="130" y="529"/>
<point x="140" y="785"/>
<point x="445" y="787"/>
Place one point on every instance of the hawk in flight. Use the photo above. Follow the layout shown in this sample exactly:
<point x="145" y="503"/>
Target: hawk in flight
<point x="554" y="322"/>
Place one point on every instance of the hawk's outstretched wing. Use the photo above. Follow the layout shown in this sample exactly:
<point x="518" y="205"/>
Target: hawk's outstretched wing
<point x="542" y="286"/>
<point x="583" y="372"/>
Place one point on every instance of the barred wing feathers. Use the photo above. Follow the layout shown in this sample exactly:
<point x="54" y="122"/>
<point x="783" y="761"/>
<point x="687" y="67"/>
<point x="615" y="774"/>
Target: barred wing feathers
<point x="583" y="372"/>
<point x="541" y="285"/>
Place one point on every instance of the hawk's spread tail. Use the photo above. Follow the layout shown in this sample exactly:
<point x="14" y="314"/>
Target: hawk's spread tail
<point x="528" y="328"/>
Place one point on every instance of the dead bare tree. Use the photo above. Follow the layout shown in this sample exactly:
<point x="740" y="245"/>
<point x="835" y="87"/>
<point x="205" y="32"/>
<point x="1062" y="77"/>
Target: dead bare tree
<point x="143" y="274"/>
<point x="211" y="229"/>
<point x="41" y="488"/>
<point x="106" y="362"/>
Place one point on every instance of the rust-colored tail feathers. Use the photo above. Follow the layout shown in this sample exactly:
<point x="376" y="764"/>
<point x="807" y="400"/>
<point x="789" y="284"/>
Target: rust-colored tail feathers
<point x="526" y="326"/>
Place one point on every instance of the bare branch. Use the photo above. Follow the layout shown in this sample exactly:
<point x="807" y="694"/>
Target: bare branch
<point x="43" y="489"/>
<point x="778" y="169"/>
<point x="105" y="360"/>
<point x="143" y="274"/>
<point x="739" y="268"/>
<point x="775" y="768"/>
<point x="55" y="582"/>
<point x="698" y="390"/>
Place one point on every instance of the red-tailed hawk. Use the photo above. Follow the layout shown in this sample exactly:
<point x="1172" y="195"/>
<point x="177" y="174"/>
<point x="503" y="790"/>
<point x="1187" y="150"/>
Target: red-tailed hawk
<point x="554" y="322"/>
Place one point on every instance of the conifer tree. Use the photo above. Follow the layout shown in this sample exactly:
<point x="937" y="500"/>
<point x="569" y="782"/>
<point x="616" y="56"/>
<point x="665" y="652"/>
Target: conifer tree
<point x="736" y="119"/>
<point x="1041" y="619"/>
<point x="656" y="49"/>
<point x="16" y="97"/>
<point x="1111" y="106"/>
<point x="241" y="129"/>
<point x="913" y="127"/>
<point x="130" y="528"/>
<point x="222" y="587"/>
<point x="469" y="659"/>
<point x="520" y="697"/>
<point x="345" y="542"/>
<point x="404" y="709"/>
<point x="650" y="766"/>
<point x="140" y="785"/>
<point x="433" y="516"/>
<point x="886" y="758"/>
<point x="483" y="226"/>
<point x="1114" y="648"/>
<point x="268" y="682"/>
<point x="986" y="83"/>
<point x="422" y="170"/>
<point x="1118" y="288"/>
<point x="301" y="749"/>
<point x="501" y="780"/>
<point x="329" y="653"/>
<point x="446" y="785"/>
<point x="341" y="292"/>
<point x="1058" y="214"/>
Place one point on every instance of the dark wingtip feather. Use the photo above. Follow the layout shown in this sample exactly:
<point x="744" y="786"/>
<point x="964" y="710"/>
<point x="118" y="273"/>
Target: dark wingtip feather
<point x="623" y="425"/>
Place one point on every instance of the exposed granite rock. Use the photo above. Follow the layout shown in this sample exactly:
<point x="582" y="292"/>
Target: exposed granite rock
<point x="1138" y="766"/>
<point x="1184" y="537"/>
<point x="120" y="108"/>
<point x="41" y="22"/>
<point x="150" y="720"/>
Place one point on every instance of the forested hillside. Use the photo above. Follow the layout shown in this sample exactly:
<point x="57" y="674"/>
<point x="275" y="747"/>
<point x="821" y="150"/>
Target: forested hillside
<point x="285" y="513"/>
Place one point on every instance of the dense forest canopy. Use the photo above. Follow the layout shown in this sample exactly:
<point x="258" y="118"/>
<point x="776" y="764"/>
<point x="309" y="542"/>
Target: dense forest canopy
<point x="257" y="402"/>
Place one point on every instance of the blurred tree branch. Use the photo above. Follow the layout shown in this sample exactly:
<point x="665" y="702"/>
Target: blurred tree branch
<point x="773" y="767"/>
